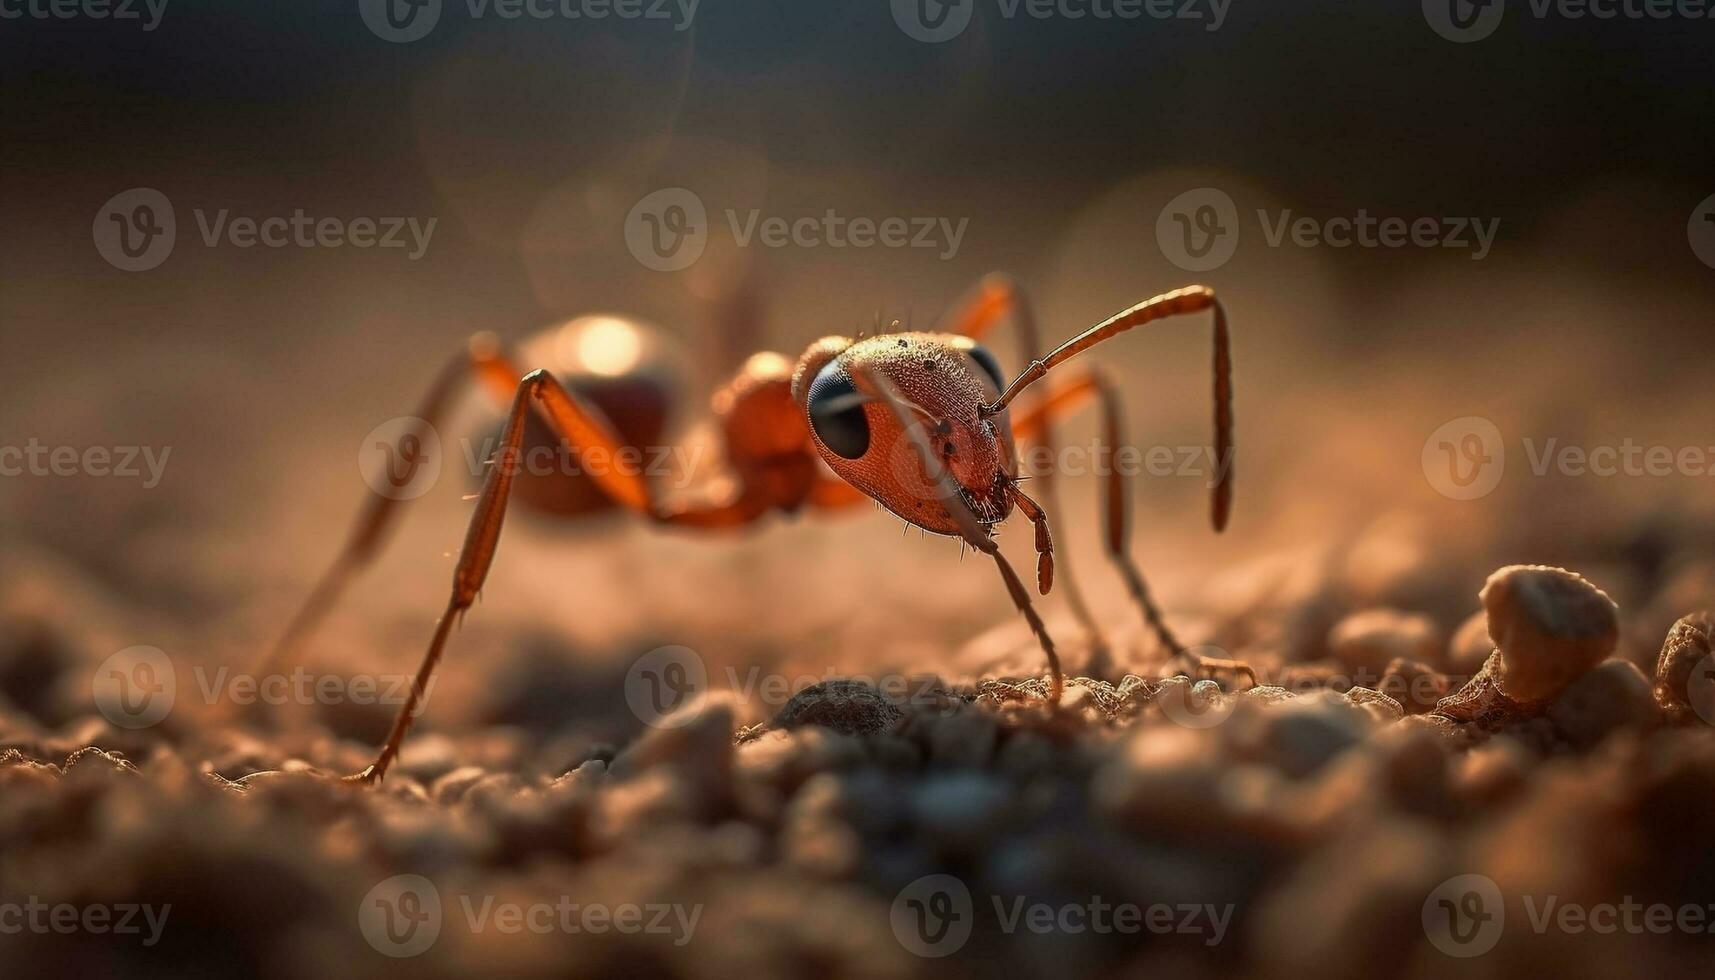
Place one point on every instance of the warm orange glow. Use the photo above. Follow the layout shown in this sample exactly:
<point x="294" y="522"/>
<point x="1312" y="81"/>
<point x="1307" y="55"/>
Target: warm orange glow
<point x="768" y="364"/>
<point x="602" y="345"/>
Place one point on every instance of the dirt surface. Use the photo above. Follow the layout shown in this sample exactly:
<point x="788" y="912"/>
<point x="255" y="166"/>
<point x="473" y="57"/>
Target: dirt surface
<point x="1338" y="819"/>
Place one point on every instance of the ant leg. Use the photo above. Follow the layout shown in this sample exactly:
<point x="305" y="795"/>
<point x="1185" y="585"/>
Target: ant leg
<point x="1044" y="540"/>
<point x="1191" y="299"/>
<point x="484" y="359"/>
<point x="972" y="530"/>
<point x="1116" y="512"/>
<point x="583" y="426"/>
<point x="995" y="298"/>
<point x="496" y="374"/>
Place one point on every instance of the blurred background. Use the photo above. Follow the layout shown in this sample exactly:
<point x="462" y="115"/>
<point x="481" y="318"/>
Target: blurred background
<point x="1056" y="142"/>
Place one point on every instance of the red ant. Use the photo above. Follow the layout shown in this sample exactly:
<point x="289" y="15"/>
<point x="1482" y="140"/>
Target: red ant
<point x="916" y="421"/>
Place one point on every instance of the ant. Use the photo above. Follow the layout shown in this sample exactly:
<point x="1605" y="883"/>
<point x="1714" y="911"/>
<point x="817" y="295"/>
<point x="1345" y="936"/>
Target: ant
<point x="918" y="422"/>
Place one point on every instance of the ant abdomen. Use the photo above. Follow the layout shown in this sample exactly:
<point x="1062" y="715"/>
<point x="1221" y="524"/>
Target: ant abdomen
<point x="628" y="369"/>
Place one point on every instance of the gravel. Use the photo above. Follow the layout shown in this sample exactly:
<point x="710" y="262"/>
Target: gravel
<point x="1152" y="826"/>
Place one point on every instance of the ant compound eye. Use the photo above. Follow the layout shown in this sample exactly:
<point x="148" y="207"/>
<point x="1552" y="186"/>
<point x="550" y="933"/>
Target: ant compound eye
<point x="836" y="412"/>
<point x="990" y="366"/>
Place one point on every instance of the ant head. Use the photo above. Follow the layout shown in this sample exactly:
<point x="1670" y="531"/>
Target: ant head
<point x="944" y="379"/>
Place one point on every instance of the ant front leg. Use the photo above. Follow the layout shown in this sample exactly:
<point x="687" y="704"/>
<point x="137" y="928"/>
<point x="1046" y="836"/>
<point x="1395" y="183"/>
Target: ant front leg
<point x="583" y="426"/>
<point x="997" y="297"/>
<point x="497" y="375"/>
<point x="1191" y="299"/>
<point x="1116" y="514"/>
<point x="482" y="359"/>
<point x="1116" y="511"/>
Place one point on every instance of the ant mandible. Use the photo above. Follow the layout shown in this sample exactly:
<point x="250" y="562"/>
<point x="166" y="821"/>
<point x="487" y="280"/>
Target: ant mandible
<point x="917" y="421"/>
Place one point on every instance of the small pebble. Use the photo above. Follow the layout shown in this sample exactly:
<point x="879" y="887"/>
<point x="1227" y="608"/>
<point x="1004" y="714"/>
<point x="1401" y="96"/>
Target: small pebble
<point x="428" y="757"/>
<point x="1492" y="773"/>
<point x="1378" y="705"/>
<point x="1550" y="626"/>
<point x="1366" y="642"/>
<point x="1470" y="647"/>
<point x="1481" y="701"/>
<point x="697" y="738"/>
<point x="1415" y="685"/>
<point x="1299" y="736"/>
<point x="846" y="706"/>
<point x="1165" y="777"/>
<point x="1684" y="672"/>
<point x="451" y="788"/>
<point x="1613" y="695"/>
<point x="1267" y="694"/>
